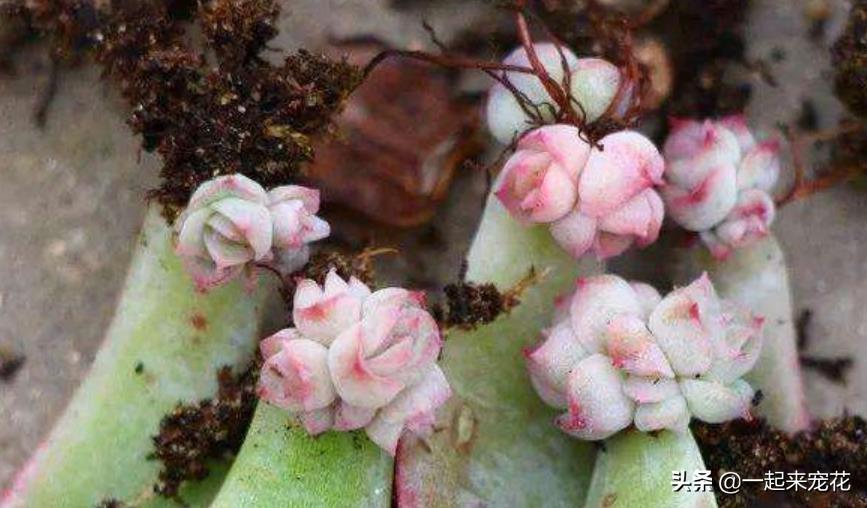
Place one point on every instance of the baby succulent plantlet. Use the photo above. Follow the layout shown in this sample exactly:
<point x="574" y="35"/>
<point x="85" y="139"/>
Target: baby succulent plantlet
<point x="720" y="181"/>
<point x="732" y="176"/>
<point x="231" y="224"/>
<point x="596" y="199"/>
<point x="355" y="360"/>
<point x="619" y="355"/>
<point x="756" y="276"/>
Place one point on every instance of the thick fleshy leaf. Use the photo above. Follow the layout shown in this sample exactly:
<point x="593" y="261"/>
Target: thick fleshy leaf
<point x="225" y="228"/>
<point x="349" y="417"/>
<point x="640" y="217"/>
<point x="412" y="410"/>
<point x="279" y="464"/>
<point x="317" y="421"/>
<point x="495" y="444"/>
<point x="645" y="390"/>
<point x="206" y="275"/>
<point x="671" y="414"/>
<point x="700" y="142"/>
<point x="756" y="277"/>
<point x="236" y="185"/>
<point x="608" y="245"/>
<point x="563" y="143"/>
<point x="598" y="407"/>
<point x="596" y="301"/>
<point x="760" y="167"/>
<point x="632" y="348"/>
<point x="705" y="205"/>
<point x="685" y="325"/>
<point x="539" y="182"/>
<point x="575" y="232"/>
<point x="594" y="85"/>
<point x="252" y="220"/>
<point x="287" y="221"/>
<point x="738" y="352"/>
<point x="321" y="314"/>
<point x="550" y="362"/>
<point x="737" y="124"/>
<point x="297" y="378"/>
<point x="749" y="220"/>
<point x="180" y="338"/>
<point x="308" y="197"/>
<point x="289" y="261"/>
<point x="636" y="469"/>
<point x="505" y="117"/>
<point x="689" y="173"/>
<point x="226" y="253"/>
<point x="191" y="237"/>
<point x="715" y="402"/>
<point x="352" y="378"/>
<point x="628" y="164"/>
<point x="648" y="296"/>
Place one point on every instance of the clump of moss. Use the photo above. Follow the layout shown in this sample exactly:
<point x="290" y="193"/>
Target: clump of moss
<point x="752" y="449"/>
<point x="244" y="115"/>
<point x="193" y="434"/>
<point x="849" y="56"/>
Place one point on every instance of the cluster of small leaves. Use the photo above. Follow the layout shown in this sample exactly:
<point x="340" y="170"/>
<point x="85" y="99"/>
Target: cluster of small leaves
<point x="243" y="115"/>
<point x="751" y="449"/>
<point x="849" y="56"/>
<point x="193" y="434"/>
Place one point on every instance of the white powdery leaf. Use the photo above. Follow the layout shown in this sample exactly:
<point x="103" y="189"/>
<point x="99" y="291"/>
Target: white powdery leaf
<point x="598" y="407"/>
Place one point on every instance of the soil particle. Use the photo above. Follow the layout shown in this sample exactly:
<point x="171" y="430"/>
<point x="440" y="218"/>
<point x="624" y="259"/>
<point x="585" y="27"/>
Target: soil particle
<point x="241" y="115"/>
<point x="468" y="305"/>
<point x="191" y="435"/>
<point x="10" y="364"/>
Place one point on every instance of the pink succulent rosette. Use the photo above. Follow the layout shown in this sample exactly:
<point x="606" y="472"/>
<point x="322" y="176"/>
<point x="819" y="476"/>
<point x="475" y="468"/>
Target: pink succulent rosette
<point x="231" y="223"/>
<point x="720" y="181"/>
<point x="620" y="355"/>
<point x="356" y="359"/>
<point x="598" y="200"/>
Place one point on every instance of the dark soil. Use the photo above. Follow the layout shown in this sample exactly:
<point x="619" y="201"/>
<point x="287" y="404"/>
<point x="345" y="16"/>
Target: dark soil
<point x="193" y="435"/>
<point x="752" y="449"/>
<point x="240" y="115"/>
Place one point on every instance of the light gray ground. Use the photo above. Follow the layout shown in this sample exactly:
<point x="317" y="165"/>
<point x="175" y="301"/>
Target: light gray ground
<point x="71" y="201"/>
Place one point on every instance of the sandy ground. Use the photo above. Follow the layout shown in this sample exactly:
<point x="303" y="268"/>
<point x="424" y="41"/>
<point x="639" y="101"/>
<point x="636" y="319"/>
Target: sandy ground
<point x="71" y="202"/>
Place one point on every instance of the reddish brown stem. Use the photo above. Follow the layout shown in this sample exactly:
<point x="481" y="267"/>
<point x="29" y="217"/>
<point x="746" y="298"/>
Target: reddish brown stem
<point x="459" y="62"/>
<point x="801" y="187"/>
<point x="555" y="90"/>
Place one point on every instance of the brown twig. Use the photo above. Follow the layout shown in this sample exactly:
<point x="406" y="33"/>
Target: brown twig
<point x="799" y="142"/>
